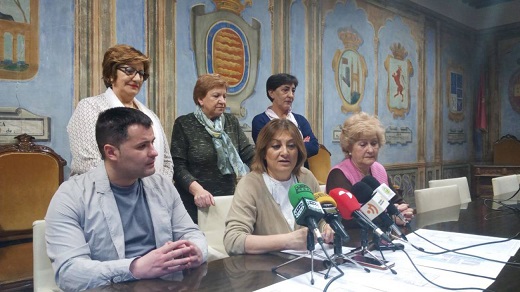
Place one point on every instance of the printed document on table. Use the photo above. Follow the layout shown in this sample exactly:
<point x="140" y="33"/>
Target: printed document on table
<point x="448" y="270"/>
<point x="356" y="279"/>
<point x="462" y="263"/>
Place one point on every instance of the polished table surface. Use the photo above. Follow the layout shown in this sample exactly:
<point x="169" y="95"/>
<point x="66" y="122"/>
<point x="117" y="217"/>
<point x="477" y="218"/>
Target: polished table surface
<point x="252" y="272"/>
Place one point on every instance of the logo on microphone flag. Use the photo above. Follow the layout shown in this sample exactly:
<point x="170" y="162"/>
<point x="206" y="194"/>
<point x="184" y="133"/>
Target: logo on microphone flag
<point x="371" y="209"/>
<point x="375" y="206"/>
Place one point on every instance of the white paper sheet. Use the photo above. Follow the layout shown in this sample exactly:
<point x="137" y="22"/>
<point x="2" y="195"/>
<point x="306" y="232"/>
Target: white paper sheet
<point x="439" y="269"/>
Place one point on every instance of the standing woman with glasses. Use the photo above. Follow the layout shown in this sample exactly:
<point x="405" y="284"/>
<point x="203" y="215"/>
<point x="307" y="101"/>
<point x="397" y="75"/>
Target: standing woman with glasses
<point x="362" y="135"/>
<point x="125" y="69"/>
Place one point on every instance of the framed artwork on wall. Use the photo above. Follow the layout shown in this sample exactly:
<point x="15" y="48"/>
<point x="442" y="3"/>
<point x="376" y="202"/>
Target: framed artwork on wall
<point x="455" y="93"/>
<point x="19" y="39"/>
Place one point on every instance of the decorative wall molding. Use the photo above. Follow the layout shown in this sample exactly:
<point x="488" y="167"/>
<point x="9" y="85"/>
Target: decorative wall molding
<point x="95" y="22"/>
<point x="313" y="65"/>
<point x="280" y="31"/>
<point x="160" y="42"/>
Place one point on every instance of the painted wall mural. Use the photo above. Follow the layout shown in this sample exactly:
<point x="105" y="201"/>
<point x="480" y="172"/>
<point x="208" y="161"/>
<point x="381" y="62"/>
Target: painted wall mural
<point x="399" y="70"/>
<point x="350" y="70"/>
<point x="224" y="43"/>
<point x="18" y="39"/>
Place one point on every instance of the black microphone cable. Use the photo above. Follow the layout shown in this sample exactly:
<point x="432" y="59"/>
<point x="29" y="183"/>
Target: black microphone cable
<point x="456" y="250"/>
<point x="500" y="202"/>
<point x="444" y="287"/>
<point x="458" y="272"/>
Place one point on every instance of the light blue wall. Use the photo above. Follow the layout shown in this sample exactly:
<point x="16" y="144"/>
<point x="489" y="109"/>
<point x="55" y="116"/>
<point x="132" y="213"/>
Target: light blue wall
<point x="298" y="60"/>
<point x="458" y="53"/>
<point x="50" y="92"/>
<point x="130" y="29"/>
<point x="258" y="101"/>
<point x="395" y="31"/>
<point x="344" y="15"/>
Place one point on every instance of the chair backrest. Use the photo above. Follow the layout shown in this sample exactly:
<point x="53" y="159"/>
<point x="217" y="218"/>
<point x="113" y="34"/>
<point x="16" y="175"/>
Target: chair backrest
<point x="212" y="221"/>
<point x="506" y="151"/>
<point x="505" y="185"/>
<point x="461" y="182"/>
<point x="31" y="174"/>
<point x="319" y="164"/>
<point x="43" y="273"/>
<point x="436" y="198"/>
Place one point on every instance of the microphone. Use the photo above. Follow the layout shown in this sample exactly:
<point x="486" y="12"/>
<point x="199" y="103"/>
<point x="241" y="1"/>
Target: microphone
<point x="306" y="210"/>
<point x="374" y="205"/>
<point x="331" y="214"/>
<point x="387" y="192"/>
<point x="349" y="208"/>
<point x="381" y="188"/>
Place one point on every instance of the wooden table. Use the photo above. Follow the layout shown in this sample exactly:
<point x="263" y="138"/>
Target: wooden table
<point x="251" y="272"/>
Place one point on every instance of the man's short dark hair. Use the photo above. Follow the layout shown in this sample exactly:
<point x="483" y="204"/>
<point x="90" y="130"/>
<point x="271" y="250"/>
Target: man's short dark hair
<point x="277" y="80"/>
<point x="112" y="126"/>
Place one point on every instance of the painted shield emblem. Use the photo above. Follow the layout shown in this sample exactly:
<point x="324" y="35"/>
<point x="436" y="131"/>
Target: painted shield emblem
<point x="228" y="54"/>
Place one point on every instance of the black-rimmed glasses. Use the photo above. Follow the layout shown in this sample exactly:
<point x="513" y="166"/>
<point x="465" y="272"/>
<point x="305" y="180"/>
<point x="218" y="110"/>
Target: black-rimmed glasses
<point x="130" y="71"/>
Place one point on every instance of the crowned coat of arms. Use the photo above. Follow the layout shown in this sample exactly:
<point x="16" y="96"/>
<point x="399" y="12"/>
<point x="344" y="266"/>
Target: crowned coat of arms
<point x="399" y="72"/>
<point x="224" y="43"/>
<point x="350" y="70"/>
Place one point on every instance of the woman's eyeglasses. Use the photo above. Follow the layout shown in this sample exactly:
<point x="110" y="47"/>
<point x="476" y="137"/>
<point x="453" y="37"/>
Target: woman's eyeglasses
<point x="130" y="71"/>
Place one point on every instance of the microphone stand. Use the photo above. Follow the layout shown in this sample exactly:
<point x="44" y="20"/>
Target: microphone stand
<point x="363" y="250"/>
<point x="310" y="250"/>
<point x="338" y="254"/>
<point x="378" y="245"/>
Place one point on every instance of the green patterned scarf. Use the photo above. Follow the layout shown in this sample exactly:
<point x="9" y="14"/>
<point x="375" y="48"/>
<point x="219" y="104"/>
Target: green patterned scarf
<point x="229" y="160"/>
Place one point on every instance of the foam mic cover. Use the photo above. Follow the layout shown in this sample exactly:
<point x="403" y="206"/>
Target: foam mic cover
<point x="362" y="192"/>
<point x="381" y="188"/>
<point x="371" y="181"/>
<point x="349" y="208"/>
<point x="306" y="210"/>
<point x="325" y="200"/>
<point x="332" y="215"/>
<point x="374" y="204"/>
<point x="298" y="191"/>
<point x="346" y="202"/>
<point x="388" y="193"/>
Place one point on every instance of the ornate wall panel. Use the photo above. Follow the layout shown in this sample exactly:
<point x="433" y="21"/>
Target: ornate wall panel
<point x="95" y="33"/>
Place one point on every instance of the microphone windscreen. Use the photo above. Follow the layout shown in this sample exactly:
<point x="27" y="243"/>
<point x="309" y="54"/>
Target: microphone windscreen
<point x="362" y="192"/>
<point x="298" y="191"/>
<point x="345" y="202"/>
<point x="371" y="182"/>
<point x="323" y="198"/>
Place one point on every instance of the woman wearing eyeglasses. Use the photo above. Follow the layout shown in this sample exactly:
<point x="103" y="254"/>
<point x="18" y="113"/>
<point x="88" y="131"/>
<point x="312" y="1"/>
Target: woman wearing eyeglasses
<point x="125" y="69"/>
